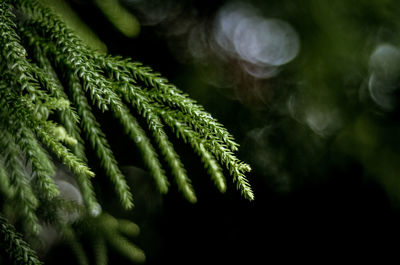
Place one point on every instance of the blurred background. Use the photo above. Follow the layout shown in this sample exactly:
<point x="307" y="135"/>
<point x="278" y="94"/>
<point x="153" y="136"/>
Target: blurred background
<point x="310" y="90"/>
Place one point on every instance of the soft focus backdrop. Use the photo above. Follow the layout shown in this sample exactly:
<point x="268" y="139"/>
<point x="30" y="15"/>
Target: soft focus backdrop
<point x="310" y="89"/>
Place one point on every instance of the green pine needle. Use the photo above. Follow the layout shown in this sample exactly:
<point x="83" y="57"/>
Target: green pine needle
<point x="51" y="81"/>
<point x="13" y="244"/>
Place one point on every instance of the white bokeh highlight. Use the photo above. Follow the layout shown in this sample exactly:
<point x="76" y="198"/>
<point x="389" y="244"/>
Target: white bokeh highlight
<point x="263" y="43"/>
<point x="384" y="66"/>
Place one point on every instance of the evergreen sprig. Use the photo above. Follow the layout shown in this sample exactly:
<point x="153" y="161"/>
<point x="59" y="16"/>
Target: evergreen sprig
<point x="51" y="82"/>
<point x="19" y="251"/>
<point x="105" y="232"/>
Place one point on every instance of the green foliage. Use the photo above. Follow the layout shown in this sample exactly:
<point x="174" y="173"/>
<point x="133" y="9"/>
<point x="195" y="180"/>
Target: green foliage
<point x="51" y="81"/>
<point x="17" y="249"/>
<point x="107" y="231"/>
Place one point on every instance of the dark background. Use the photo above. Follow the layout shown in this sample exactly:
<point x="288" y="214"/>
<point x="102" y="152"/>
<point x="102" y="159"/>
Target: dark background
<point x="317" y="197"/>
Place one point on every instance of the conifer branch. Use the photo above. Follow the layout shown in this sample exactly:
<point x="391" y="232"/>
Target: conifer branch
<point x="132" y="95"/>
<point x="100" y="250"/>
<point x="73" y="52"/>
<point x="189" y="136"/>
<point x="44" y="131"/>
<point x="46" y="70"/>
<point x="128" y="228"/>
<point x="76" y="165"/>
<point x="173" y="97"/>
<point x="190" y="112"/>
<point x="127" y="249"/>
<point x="132" y="128"/>
<point x="99" y="143"/>
<point x="24" y="199"/>
<point x="125" y="75"/>
<point x="75" y="245"/>
<point x="126" y="87"/>
<point x="106" y="232"/>
<point x="138" y="135"/>
<point x="37" y="158"/>
<point x="5" y="187"/>
<point x="68" y="117"/>
<point x="12" y="243"/>
<point x="12" y="50"/>
<point x="118" y="242"/>
<point x="42" y="167"/>
<point x="219" y="149"/>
